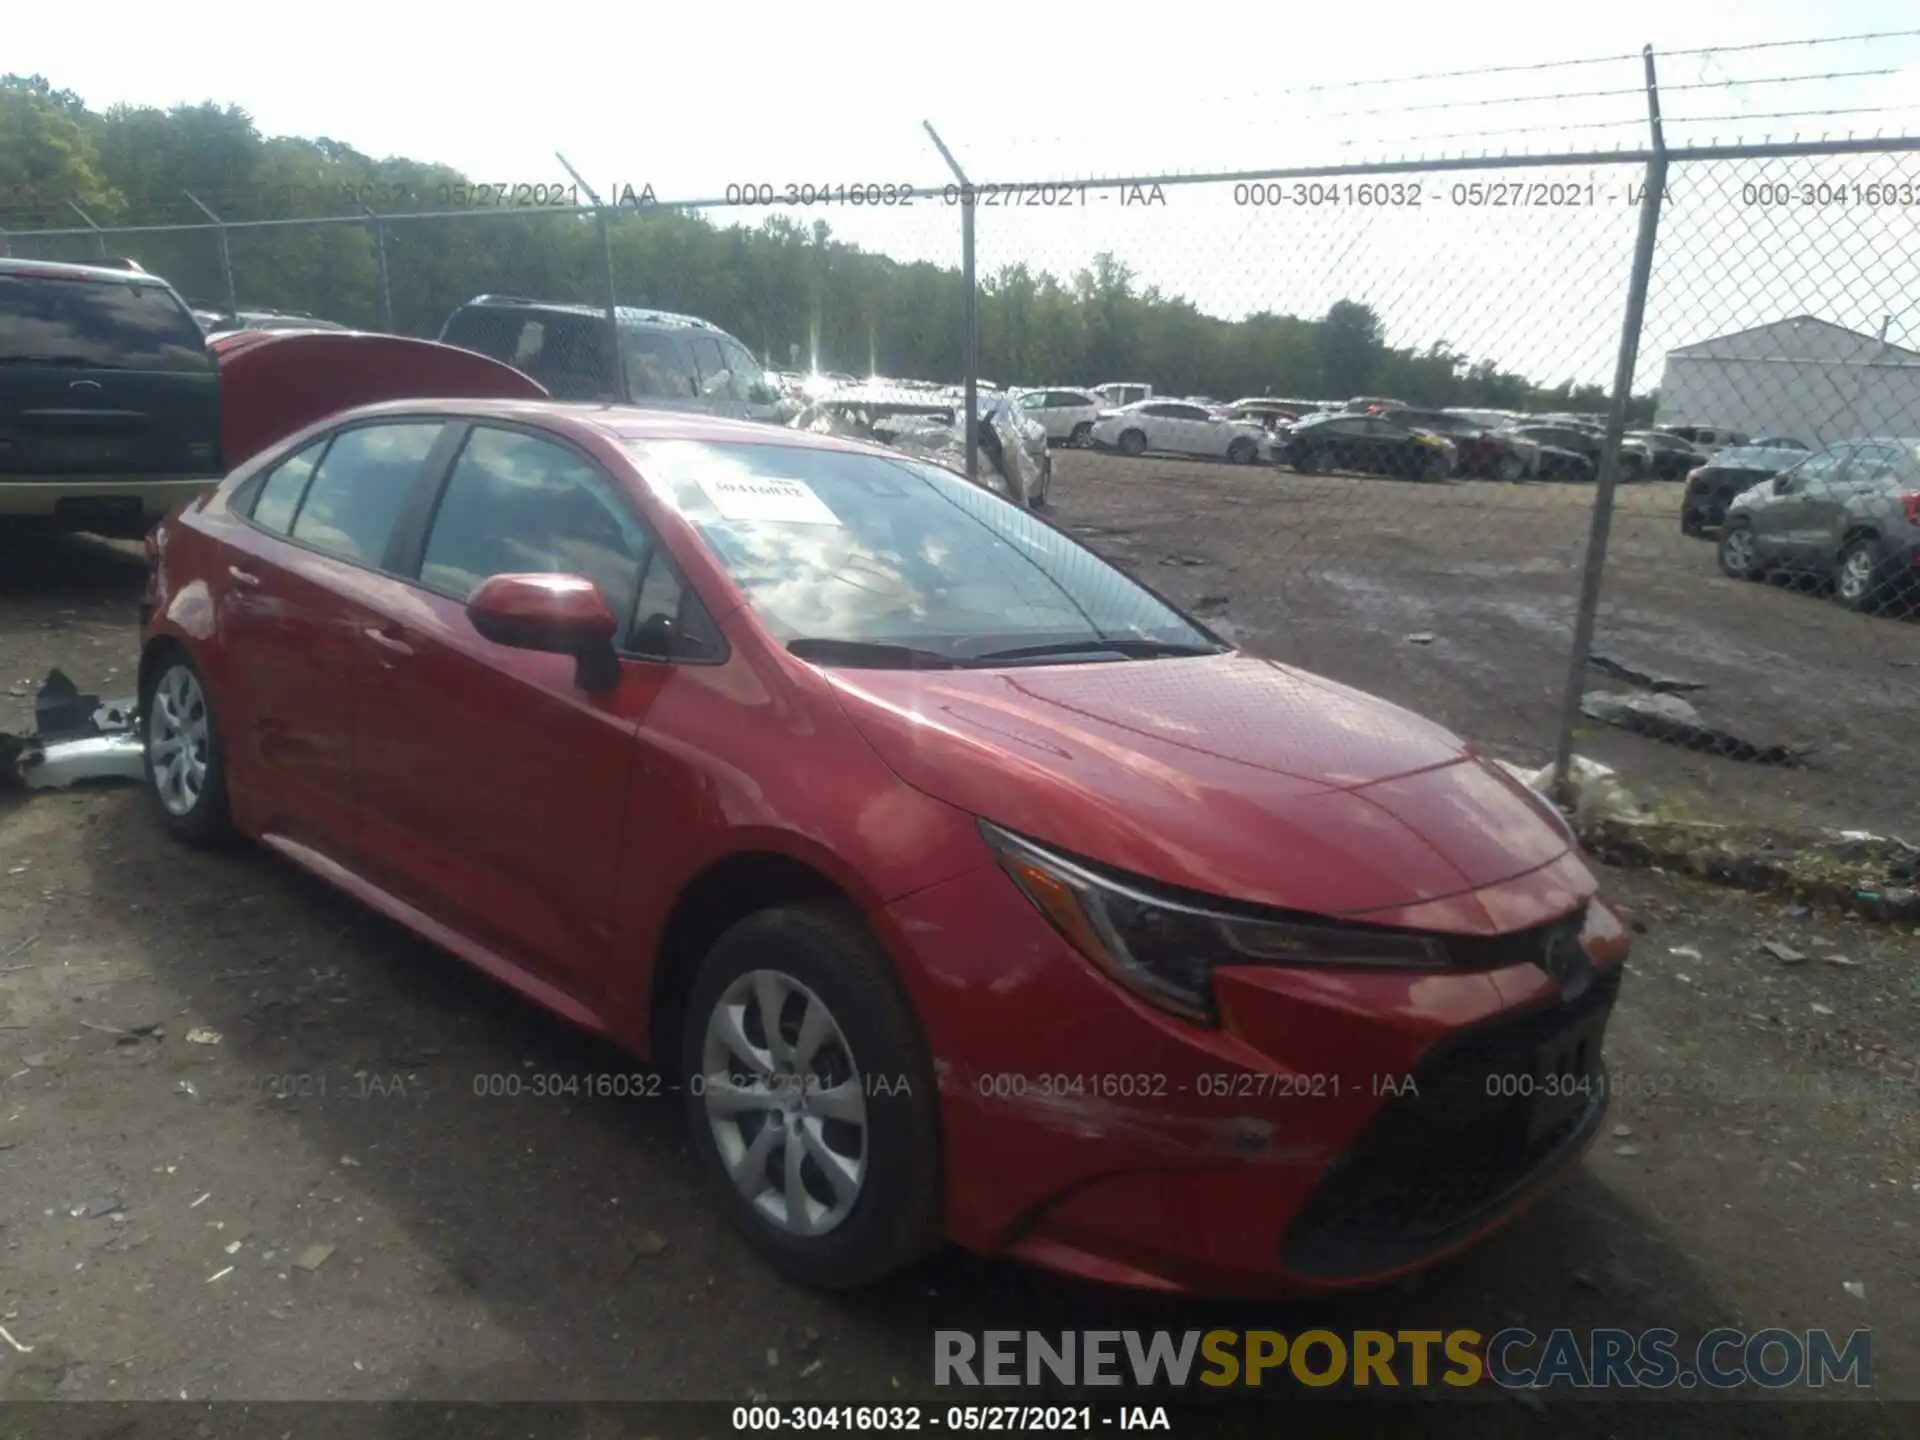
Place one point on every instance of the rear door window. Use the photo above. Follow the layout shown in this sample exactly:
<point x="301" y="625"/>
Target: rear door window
<point x="749" y="381"/>
<point x="658" y="365"/>
<point x="278" y="500"/>
<point x="99" y="325"/>
<point x="1874" y="462"/>
<point x="356" y="493"/>
<point x="715" y="373"/>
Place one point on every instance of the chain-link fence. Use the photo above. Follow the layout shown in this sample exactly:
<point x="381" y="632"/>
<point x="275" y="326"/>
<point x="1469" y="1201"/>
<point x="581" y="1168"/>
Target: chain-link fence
<point x="1599" y="454"/>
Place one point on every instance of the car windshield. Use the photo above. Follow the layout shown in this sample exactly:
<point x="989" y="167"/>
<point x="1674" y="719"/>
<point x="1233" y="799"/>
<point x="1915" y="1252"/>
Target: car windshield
<point x="98" y="325"/>
<point x="874" y="555"/>
<point x="1758" y="457"/>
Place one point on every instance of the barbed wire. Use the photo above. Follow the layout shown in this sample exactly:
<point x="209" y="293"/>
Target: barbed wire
<point x="1789" y="44"/>
<point x="1637" y="91"/>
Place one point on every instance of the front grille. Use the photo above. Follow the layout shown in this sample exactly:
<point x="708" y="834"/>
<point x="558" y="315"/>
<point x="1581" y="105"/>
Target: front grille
<point x="1496" y="952"/>
<point x="1454" y="1149"/>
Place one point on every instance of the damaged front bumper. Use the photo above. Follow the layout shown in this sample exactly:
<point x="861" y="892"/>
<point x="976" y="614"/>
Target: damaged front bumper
<point x="77" y="737"/>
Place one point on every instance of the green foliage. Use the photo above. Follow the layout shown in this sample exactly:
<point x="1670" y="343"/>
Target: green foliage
<point x="784" y="287"/>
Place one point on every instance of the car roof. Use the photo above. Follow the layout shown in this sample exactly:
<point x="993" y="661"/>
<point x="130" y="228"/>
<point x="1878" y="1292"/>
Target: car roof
<point x="627" y="314"/>
<point x="616" y="422"/>
<point x="61" y="270"/>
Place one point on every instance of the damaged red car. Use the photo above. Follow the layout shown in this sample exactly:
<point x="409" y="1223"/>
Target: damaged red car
<point x="960" y="886"/>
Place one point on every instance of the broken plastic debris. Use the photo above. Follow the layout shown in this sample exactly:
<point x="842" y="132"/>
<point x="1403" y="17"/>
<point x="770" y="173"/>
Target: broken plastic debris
<point x="67" y="762"/>
<point x="201" y="1201"/>
<point x="220" y="1275"/>
<point x="650" y="1244"/>
<point x="200" y="1035"/>
<point x="1785" y="954"/>
<point x="1855" y="1288"/>
<point x="94" y="1209"/>
<point x="1422" y="637"/>
<point x="76" y="737"/>
<point x="1594" y="791"/>
<point x="1820" y="1009"/>
<point x="1685" y="952"/>
<point x="313" y="1257"/>
<point x="23" y="1349"/>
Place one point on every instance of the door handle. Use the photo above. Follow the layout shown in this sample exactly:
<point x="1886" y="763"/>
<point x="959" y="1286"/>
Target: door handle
<point x="392" y="644"/>
<point x="243" y="577"/>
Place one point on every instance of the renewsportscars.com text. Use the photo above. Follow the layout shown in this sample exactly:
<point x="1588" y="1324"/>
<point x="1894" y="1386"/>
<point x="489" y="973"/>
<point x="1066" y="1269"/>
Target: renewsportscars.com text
<point x="1514" y="1358"/>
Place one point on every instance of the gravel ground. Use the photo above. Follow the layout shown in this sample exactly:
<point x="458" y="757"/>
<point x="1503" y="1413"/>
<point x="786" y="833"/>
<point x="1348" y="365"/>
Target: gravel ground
<point x="325" y="1204"/>
<point x="1336" y="573"/>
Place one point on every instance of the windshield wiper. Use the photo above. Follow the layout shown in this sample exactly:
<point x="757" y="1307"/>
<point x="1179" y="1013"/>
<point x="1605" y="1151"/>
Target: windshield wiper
<point x="1132" y="649"/>
<point x="873" y="654"/>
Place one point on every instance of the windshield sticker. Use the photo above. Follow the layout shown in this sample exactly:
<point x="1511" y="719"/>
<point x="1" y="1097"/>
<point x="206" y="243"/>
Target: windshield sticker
<point x="765" y="498"/>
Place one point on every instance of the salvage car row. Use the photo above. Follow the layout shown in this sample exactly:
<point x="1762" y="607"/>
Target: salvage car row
<point x="1364" y="436"/>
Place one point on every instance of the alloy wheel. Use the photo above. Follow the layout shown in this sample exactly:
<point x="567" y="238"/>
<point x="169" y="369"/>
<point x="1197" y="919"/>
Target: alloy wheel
<point x="785" y="1102"/>
<point x="178" y="736"/>
<point x="1736" y="551"/>
<point x="1855" y="580"/>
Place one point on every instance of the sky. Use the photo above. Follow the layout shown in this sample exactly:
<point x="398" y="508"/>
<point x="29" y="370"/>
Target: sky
<point x="694" y="100"/>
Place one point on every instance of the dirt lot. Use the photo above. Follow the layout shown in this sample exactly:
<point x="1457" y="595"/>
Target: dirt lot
<point x="1335" y="574"/>
<point x="1764" y="1170"/>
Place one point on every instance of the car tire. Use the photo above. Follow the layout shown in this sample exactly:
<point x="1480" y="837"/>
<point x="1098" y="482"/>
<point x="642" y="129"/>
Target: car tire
<point x="1309" y="462"/>
<point x="1082" y="435"/>
<point x="1690" y="525"/>
<point x="1038" y="501"/>
<point x="185" y="761"/>
<point x="1437" y="468"/>
<point x="1510" y="468"/>
<point x="869" y="1054"/>
<point x="1243" y="451"/>
<point x="1131" y="442"/>
<point x="1736" y="554"/>
<point x="1856" y="581"/>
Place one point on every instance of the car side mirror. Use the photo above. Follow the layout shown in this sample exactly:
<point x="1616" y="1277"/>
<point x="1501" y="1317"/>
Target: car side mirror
<point x="554" y="614"/>
<point x="1782" y="484"/>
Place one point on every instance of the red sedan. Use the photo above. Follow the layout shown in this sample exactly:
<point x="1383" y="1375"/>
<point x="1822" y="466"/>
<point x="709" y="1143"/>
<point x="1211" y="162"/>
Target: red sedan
<point x="967" y="887"/>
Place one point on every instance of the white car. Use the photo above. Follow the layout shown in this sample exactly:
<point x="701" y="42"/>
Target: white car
<point x="1117" y="393"/>
<point x="1066" y="415"/>
<point x="1179" y="428"/>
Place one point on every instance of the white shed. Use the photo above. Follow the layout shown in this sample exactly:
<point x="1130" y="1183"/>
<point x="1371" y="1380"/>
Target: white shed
<point x="1807" y="378"/>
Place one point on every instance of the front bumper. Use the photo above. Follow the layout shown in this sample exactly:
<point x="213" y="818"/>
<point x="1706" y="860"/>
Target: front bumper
<point x="1338" y="1128"/>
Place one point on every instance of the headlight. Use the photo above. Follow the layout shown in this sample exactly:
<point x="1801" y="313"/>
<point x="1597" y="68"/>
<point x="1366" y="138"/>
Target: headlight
<point x="1164" y="949"/>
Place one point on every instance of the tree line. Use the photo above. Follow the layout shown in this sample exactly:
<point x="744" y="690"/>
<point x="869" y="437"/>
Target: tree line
<point x="787" y="289"/>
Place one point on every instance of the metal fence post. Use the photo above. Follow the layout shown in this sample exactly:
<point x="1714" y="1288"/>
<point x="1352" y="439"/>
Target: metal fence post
<point x="619" y="375"/>
<point x="1609" y="476"/>
<point x="970" y="341"/>
<point x="226" y="256"/>
<point x="6" y="244"/>
<point x="380" y="250"/>
<point x="99" y="235"/>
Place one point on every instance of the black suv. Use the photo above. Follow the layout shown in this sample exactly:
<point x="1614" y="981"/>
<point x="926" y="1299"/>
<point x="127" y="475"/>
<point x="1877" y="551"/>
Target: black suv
<point x="670" y="360"/>
<point x="109" y="399"/>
